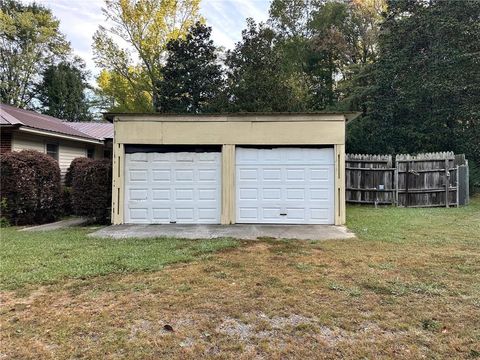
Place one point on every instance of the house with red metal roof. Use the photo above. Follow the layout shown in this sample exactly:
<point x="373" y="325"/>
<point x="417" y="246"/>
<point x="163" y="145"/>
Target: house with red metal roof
<point x="64" y="141"/>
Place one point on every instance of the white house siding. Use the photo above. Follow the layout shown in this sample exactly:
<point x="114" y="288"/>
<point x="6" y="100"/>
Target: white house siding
<point x="67" y="150"/>
<point x="28" y="142"/>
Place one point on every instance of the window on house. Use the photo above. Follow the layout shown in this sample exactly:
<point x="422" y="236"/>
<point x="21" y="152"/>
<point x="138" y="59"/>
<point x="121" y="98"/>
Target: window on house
<point x="91" y="153"/>
<point x="52" y="150"/>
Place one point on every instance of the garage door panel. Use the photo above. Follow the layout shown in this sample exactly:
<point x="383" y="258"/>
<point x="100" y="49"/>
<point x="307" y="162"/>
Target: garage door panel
<point x="138" y="175"/>
<point x="295" y="213"/>
<point x="184" y="194"/>
<point x="247" y="156"/>
<point x="320" y="215"/>
<point x="296" y="185"/>
<point x="161" y="215"/>
<point x="321" y="174"/>
<point x="319" y="194"/>
<point x="184" y="175"/>
<point x="271" y="194"/>
<point x="161" y="175"/>
<point x="161" y="194"/>
<point x="138" y="194"/>
<point x="270" y="213"/>
<point x="173" y="187"/>
<point x="295" y="174"/>
<point x="160" y="157"/>
<point x="295" y="194"/>
<point x="185" y="157"/>
<point x="184" y="214"/>
<point x="248" y="213"/>
<point x="248" y="194"/>
<point x="207" y="158"/>
<point x="247" y="174"/>
<point x="139" y="157"/>
<point x="209" y="175"/>
<point x="139" y="213"/>
<point x="207" y="194"/>
<point x="207" y="214"/>
<point x="272" y="174"/>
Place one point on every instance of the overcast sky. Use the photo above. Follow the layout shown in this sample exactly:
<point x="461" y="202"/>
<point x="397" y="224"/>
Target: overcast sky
<point x="80" y="18"/>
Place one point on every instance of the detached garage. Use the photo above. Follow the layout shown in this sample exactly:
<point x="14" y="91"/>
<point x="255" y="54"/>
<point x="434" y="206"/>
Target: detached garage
<point x="226" y="169"/>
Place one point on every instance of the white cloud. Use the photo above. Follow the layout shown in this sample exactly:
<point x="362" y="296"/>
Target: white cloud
<point x="228" y="17"/>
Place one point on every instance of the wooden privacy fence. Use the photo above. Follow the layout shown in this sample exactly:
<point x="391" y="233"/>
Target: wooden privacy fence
<point x="423" y="180"/>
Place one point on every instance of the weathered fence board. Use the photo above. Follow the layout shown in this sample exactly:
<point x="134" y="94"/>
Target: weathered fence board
<point x="369" y="179"/>
<point x="463" y="195"/>
<point x="426" y="179"/>
<point x="423" y="180"/>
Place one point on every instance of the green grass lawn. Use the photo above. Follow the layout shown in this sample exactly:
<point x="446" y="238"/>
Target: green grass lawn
<point x="407" y="287"/>
<point x="429" y="226"/>
<point x="46" y="257"/>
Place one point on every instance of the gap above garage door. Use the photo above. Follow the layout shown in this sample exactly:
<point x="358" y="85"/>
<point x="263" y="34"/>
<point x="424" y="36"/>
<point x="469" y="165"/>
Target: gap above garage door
<point x="172" y="185"/>
<point x="285" y="185"/>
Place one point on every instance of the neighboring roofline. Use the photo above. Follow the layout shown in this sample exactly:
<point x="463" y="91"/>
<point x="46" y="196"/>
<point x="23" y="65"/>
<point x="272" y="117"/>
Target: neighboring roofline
<point x="70" y="124"/>
<point x="59" y="135"/>
<point x="14" y="120"/>
<point x="10" y="126"/>
<point x="349" y="115"/>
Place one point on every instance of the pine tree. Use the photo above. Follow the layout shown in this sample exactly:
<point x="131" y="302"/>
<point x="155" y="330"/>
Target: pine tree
<point x="192" y="77"/>
<point x="62" y="92"/>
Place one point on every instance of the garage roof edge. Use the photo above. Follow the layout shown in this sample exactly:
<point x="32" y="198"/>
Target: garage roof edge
<point x="348" y="115"/>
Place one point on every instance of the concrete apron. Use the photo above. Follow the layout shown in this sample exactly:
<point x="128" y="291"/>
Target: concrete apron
<point x="62" y="224"/>
<point x="238" y="231"/>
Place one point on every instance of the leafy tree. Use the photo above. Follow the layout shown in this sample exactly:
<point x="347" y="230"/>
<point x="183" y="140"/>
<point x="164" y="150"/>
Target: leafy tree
<point x="323" y="43"/>
<point x="192" y="77"/>
<point x="30" y="41"/>
<point x="422" y="94"/>
<point x="289" y="19"/>
<point x="62" y="91"/>
<point x="344" y="40"/>
<point x="146" y="26"/>
<point x="116" y="93"/>
<point x="255" y="80"/>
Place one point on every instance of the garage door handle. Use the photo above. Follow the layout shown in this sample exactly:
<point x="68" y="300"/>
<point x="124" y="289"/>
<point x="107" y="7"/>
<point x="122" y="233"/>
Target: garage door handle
<point x="283" y="214"/>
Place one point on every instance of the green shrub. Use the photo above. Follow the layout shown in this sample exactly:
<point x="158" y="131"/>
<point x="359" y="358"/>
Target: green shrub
<point x="92" y="190"/>
<point x="474" y="177"/>
<point x="74" y="165"/>
<point x="66" y="201"/>
<point x="30" y="185"/>
<point x="3" y="209"/>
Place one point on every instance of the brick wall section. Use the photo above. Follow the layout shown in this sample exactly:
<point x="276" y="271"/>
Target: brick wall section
<point x="5" y="141"/>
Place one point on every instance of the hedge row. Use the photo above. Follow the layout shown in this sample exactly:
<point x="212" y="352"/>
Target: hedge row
<point x="30" y="190"/>
<point x="91" y="191"/>
<point x="29" y="187"/>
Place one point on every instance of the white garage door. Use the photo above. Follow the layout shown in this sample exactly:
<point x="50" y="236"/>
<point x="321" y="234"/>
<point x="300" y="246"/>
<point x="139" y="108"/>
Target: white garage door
<point x="285" y="185"/>
<point x="172" y="187"/>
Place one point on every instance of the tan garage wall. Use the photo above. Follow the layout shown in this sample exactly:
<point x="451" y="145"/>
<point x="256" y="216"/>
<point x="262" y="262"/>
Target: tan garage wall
<point x="235" y="130"/>
<point x="229" y="131"/>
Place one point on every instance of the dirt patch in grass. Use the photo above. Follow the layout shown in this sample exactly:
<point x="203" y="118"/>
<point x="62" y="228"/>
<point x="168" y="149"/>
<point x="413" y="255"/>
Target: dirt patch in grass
<point x="256" y="302"/>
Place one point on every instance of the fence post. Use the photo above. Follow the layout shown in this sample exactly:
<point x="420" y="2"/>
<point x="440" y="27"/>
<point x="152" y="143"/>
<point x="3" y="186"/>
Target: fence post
<point x="407" y="177"/>
<point x="447" y="182"/>
<point x="395" y="184"/>
<point x="457" y="186"/>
